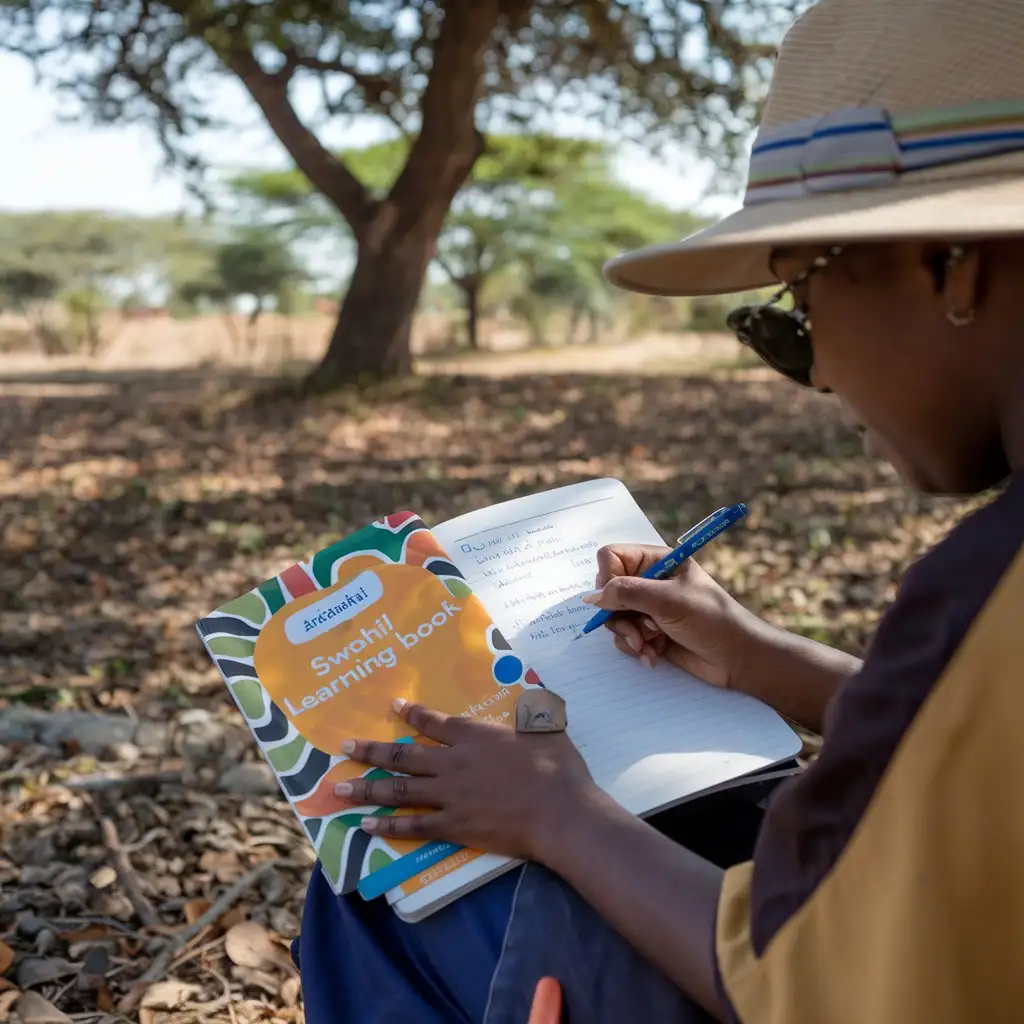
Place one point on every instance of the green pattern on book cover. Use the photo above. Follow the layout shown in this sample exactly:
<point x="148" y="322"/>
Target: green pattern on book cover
<point x="230" y="635"/>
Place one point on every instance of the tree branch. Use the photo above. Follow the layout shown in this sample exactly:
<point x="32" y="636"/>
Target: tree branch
<point x="325" y="171"/>
<point x="447" y="268"/>
<point x="449" y="143"/>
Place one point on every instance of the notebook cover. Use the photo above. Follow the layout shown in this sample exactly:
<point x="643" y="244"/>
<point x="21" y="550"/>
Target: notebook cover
<point x="317" y="654"/>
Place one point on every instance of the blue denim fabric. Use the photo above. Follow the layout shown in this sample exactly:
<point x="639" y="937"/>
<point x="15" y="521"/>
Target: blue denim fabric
<point x="553" y="931"/>
<point x="361" y="964"/>
<point x="478" y="960"/>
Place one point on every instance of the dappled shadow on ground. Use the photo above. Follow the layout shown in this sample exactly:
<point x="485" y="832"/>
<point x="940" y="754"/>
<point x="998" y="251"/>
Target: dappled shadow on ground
<point x="126" y="515"/>
<point x="132" y="503"/>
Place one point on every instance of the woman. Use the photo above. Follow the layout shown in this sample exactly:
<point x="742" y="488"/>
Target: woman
<point x="886" y="196"/>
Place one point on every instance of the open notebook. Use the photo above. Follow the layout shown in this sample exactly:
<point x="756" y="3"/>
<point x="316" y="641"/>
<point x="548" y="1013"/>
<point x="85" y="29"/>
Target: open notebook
<point x="652" y="738"/>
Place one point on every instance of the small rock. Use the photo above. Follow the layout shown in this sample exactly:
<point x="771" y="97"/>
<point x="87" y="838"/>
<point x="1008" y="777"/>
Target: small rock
<point x="151" y="738"/>
<point x="103" y="877"/>
<point x="251" y="778"/>
<point x="38" y="874"/>
<point x="28" y="925"/>
<point x="46" y="942"/>
<point x="94" y="970"/>
<point x="97" y="961"/>
<point x="91" y="733"/>
<point x="70" y="887"/>
<point x="20" y="724"/>
<point x="168" y="886"/>
<point x="111" y="903"/>
<point x="200" y="736"/>
<point x="127" y="753"/>
<point x="284" y="921"/>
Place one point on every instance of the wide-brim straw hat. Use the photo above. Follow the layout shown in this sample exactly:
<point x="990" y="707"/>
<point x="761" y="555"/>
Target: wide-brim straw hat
<point x="886" y="120"/>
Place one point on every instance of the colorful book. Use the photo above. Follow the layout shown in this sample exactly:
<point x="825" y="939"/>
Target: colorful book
<point x="317" y="654"/>
<point x="461" y="617"/>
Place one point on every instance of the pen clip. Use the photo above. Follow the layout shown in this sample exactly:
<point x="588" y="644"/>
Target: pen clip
<point x="700" y="526"/>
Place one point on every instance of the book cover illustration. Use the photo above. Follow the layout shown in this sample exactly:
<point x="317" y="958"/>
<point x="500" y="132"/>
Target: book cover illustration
<point x="317" y="655"/>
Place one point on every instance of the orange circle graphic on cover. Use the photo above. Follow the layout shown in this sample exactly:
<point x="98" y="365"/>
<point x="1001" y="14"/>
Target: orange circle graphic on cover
<point x="336" y="659"/>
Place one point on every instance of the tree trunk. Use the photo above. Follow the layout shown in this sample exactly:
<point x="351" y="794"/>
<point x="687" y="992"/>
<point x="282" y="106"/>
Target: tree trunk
<point x="372" y="336"/>
<point x="576" y="311"/>
<point x="472" y="293"/>
<point x="397" y="235"/>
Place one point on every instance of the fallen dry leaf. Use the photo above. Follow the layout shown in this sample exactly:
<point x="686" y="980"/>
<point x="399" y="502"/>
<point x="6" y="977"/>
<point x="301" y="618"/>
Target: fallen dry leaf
<point x="236" y="915"/>
<point x="259" y="979"/>
<point x="169" y="995"/>
<point x="90" y="933"/>
<point x="290" y="989"/>
<point x="194" y="909"/>
<point x="39" y="970"/>
<point x="223" y="864"/>
<point x="6" y="957"/>
<point x="7" y="999"/>
<point x="134" y="501"/>
<point x="32" y="1008"/>
<point x="249" y="944"/>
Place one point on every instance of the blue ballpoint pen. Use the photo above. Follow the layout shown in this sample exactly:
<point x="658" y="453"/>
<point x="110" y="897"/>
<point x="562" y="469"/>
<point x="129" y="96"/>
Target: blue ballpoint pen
<point x="688" y="544"/>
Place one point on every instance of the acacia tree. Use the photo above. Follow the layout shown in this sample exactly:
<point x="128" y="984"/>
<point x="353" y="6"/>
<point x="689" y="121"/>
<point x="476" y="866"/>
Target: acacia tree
<point x="442" y="72"/>
<point x="509" y="211"/>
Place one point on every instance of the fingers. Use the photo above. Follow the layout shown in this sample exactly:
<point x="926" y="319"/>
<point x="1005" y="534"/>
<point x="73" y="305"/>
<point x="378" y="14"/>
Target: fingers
<point x="432" y="724"/>
<point x="409" y="826"/>
<point x="628" y="631"/>
<point x="394" y="792"/>
<point x="409" y="758"/>
<point x="649" y="654"/>
<point x="626" y="560"/>
<point x="655" y="599"/>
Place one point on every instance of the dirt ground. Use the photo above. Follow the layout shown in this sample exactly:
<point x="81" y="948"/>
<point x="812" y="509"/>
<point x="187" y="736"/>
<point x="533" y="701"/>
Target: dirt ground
<point x="148" y="870"/>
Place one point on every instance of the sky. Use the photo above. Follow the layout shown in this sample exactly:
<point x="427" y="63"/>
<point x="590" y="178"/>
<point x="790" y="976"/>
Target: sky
<point x="49" y="164"/>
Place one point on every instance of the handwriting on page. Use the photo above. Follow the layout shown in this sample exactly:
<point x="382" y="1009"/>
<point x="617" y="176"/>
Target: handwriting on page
<point x="530" y="575"/>
<point x="649" y="737"/>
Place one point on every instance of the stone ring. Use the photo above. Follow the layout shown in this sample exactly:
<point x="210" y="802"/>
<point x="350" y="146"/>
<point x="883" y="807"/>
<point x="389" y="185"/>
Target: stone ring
<point x="540" y="710"/>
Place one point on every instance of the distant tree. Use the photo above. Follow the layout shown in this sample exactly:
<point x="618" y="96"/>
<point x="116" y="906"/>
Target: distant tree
<point x="85" y="261"/>
<point x="501" y="213"/>
<point x="29" y="293"/>
<point x="256" y="263"/>
<point x="538" y="200"/>
<point x="252" y="262"/>
<point x="590" y="222"/>
<point x="442" y="74"/>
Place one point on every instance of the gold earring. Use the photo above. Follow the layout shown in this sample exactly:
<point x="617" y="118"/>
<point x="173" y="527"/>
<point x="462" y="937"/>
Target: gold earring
<point x="960" y="319"/>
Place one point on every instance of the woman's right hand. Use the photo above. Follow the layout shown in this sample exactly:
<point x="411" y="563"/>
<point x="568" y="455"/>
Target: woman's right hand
<point x="687" y="619"/>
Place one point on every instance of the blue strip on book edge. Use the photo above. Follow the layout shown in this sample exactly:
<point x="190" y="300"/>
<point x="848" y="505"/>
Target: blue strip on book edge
<point x="401" y="870"/>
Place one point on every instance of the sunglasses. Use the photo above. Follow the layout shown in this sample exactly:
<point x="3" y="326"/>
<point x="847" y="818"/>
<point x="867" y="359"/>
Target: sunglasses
<point x="782" y="337"/>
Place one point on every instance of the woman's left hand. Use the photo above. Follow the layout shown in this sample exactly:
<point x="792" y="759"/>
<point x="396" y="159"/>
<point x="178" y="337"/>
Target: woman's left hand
<point x="490" y="788"/>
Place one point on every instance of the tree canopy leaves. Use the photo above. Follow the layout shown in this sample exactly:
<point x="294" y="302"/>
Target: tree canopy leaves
<point x="445" y="75"/>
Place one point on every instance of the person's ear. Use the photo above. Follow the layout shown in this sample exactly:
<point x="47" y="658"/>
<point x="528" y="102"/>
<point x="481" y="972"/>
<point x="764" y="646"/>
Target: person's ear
<point x="957" y="274"/>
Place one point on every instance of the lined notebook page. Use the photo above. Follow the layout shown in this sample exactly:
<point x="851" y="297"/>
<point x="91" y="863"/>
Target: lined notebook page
<point x="650" y="737"/>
